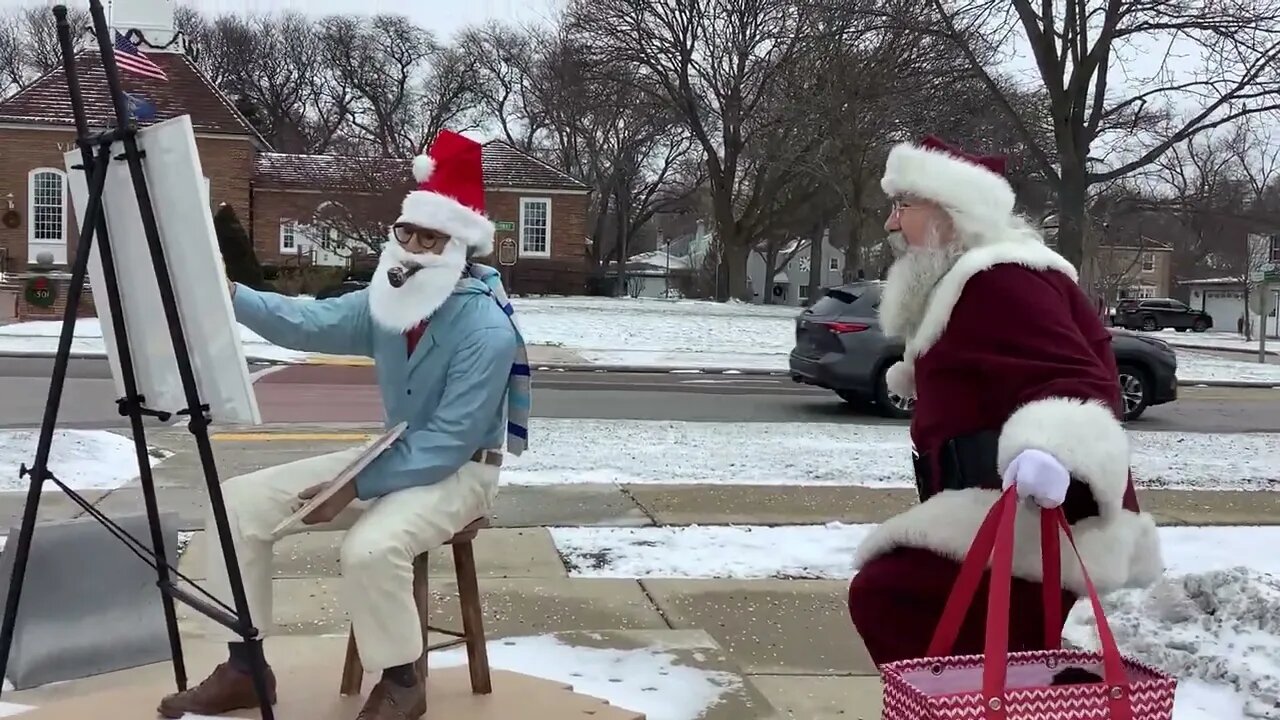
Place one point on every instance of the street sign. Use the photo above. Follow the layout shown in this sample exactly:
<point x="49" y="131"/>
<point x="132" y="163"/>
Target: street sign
<point x="507" y="253"/>
<point x="1271" y="276"/>
<point x="504" y="226"/>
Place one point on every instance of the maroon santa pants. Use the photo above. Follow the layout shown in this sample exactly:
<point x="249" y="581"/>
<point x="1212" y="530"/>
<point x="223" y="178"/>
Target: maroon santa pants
<point x="896" y="600"/>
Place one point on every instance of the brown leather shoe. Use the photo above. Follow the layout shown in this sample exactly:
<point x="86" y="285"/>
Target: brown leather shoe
<point x="389" y="701"/>
<point x="225" y="690"/>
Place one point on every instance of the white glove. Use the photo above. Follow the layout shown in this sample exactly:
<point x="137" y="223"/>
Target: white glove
<point x="1039" y="476"/>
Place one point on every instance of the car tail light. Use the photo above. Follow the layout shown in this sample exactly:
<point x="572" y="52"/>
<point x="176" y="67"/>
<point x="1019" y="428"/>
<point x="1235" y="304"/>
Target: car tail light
<point x="841" y="328"/>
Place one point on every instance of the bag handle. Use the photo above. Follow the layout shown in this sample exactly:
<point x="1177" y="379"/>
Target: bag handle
<point x="995" y="540"/>
<point x="970" y="577"/>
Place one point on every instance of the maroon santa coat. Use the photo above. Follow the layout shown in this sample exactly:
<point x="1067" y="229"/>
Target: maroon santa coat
<point x="1008" y="345"/>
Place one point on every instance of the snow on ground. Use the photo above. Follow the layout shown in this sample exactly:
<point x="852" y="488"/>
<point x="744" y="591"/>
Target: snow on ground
<point x="1218" y="631"/>
<point x="649" y="680"/>
<point x="825" y="552"/>
<point x="81" y="459"/>
<point x="40" y="337"/>
<point x="638" y="332"/>
<point x="722" y="453"/>
<point x="702" y="334"/>
<point x="1214" y="341"/>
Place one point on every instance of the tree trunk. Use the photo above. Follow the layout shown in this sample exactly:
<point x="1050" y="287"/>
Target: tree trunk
<point x="771" y="270"/>
<point x="815" y="264"/>
<point x="1073" y="229"/>
<point x="734" y="269"/>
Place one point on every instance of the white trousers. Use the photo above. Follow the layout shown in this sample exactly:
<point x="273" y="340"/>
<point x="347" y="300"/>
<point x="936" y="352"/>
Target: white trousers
<point x="383" y="537"/>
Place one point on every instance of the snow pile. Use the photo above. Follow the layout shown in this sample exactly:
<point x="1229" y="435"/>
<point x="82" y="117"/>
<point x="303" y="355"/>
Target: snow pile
<point x="81" y="459"/>
<point x="1219" y="629"/>
<point x="650" y="680"/>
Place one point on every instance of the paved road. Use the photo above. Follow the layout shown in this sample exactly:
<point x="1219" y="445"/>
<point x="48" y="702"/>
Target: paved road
<point x="341" y="394"/>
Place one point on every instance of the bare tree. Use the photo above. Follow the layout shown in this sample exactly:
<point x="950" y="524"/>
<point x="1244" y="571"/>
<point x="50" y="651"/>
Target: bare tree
<point x="1085" y="52"/>
<point x="717" y="63"/>
<point x="29" y="44"/>
<point x="406" y="87"/>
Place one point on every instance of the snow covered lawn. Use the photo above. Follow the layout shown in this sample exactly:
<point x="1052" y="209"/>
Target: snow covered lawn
<point x="1214" y="341"/>
<point x="81" y="459"/>
<point x="637" y="332"/>
<point x="825" y="552"/>
<point x="747" y="453"/>
<point x="40" y="337"/>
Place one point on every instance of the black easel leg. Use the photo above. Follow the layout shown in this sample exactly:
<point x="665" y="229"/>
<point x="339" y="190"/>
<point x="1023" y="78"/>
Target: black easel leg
<point x="199" y="421"/>
<point x="131" y="402"/>
<point x="22" y="550"/>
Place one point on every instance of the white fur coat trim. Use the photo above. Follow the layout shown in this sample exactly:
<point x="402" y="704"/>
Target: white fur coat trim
<point x="947" y="180"/>
<point x="1121" y="551"/>
<point x="946" y="294"/>
<point x="1027" y="253"/>
<point x="1085" y="436"/>
<point x="439" y="212"/>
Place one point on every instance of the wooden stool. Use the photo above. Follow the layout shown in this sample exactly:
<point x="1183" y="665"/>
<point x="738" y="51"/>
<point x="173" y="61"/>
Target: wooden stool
<point x="464" y="563"/>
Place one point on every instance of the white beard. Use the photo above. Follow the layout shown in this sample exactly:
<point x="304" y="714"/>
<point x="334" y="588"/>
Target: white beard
<point x="910" y="282"/>
<point x="399" y="309"/>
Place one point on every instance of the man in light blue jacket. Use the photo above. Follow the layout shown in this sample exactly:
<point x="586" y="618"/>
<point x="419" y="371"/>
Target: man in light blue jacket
<point x="447" y="355"/>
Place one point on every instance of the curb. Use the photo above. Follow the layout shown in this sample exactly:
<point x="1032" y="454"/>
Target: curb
<point x="620" y="369"/>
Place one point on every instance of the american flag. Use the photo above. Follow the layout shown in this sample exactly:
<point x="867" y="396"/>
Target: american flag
<point x="131" y="59"/>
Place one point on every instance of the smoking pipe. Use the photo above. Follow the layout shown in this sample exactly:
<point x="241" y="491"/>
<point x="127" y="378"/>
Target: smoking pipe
<point x="398" y="275"/>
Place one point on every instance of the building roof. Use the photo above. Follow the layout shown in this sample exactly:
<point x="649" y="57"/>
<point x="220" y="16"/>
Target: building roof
<point x="288" y="171"/>
<point x="504" y="166"/>
<point x="188" y="92"/>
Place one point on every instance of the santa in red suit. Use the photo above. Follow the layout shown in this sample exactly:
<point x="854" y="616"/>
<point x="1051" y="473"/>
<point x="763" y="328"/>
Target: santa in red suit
<point x="1015" y="385"/>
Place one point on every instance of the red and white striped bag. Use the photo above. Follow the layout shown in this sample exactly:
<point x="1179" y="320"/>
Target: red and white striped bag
<point x="998" y="685"/>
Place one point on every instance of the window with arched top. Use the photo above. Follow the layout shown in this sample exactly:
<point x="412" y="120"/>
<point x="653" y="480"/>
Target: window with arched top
<point x="47" y="214"/>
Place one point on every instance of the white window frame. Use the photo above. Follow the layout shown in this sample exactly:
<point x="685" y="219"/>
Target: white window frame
<point x="524" y="248"/>
<point x="833" y="263"/>
<point x="1148" y="262"/>
<point x="296" y="234"/>
<point x="1275" y="248"/>
<point x="58" y="246"/>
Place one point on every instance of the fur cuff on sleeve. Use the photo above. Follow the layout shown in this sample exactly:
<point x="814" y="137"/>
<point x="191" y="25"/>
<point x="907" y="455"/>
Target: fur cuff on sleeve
<point x="1085" y="436"/>
<point x="901" y="379"/>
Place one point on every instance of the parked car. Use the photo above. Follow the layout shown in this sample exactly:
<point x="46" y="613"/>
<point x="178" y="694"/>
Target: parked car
<point x="840" y="347"/>
<point x="1153" y="314"/>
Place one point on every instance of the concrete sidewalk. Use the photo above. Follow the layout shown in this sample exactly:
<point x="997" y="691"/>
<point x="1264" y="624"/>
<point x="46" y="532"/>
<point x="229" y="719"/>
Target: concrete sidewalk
<point x="790" y="640"/>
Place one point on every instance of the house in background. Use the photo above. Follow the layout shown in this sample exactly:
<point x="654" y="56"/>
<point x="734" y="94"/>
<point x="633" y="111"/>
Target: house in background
<point x="295" y="208"/>
<point x="1135" y="270"/>
<point x="790" y="284"/>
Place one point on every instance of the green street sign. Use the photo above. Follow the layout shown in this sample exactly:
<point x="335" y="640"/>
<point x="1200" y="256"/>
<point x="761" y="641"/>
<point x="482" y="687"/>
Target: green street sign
<point x="503" y="226"/>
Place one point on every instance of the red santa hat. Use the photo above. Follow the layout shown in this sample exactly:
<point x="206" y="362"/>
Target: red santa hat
<point x="450" y="194"/>
<point x="958" y="181"/>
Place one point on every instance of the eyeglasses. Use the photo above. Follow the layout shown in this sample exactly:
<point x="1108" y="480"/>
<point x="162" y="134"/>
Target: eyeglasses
<point x="427" y="239"/>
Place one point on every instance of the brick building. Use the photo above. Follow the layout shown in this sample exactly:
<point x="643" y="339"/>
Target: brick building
<point x="296" y="208"/>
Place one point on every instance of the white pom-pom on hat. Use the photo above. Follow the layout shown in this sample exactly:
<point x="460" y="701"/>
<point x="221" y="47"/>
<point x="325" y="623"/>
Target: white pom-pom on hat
<point x="423" y="166"/>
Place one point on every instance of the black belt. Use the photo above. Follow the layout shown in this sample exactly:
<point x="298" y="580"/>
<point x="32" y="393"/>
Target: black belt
<point x="488" y="457"/>
<point x="968" y="461"/>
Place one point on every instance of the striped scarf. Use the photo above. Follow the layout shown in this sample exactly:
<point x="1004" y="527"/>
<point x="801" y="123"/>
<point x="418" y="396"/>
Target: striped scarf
<point x="519" y="395"/>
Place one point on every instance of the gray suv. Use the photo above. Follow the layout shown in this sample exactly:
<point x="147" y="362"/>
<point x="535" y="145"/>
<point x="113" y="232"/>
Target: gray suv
<point x="840" y="346"/>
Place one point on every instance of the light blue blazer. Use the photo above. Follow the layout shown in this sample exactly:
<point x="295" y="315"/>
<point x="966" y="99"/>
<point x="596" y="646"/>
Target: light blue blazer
<point x="451" y="392"/>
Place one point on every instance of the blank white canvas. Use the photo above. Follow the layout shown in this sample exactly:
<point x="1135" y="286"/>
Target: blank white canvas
<point x="179" y="196"/>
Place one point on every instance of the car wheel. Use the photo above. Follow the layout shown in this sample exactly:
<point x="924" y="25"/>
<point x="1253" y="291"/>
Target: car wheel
<point x="1200" y="325"/>
<point x="1135" y="391"/>
<point x="889" y="404"/>
<point x="1149" y="324"/>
